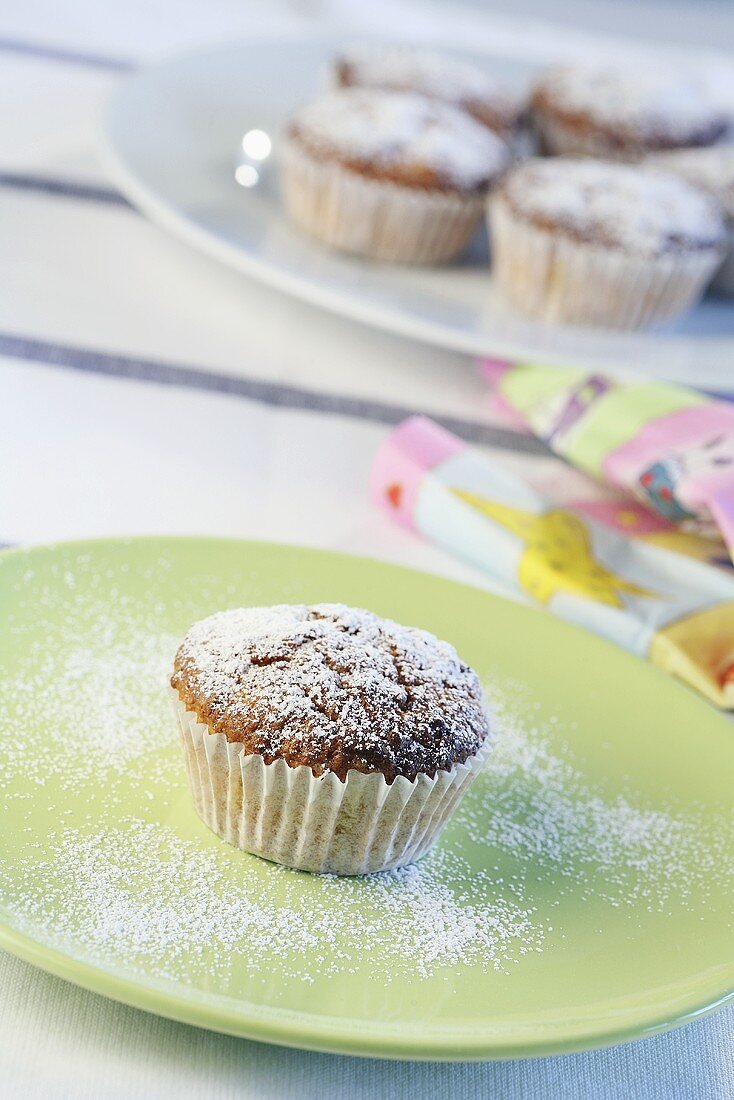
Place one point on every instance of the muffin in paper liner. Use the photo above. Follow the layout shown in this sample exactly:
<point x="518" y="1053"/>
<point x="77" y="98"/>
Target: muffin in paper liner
<point x="317" y="823"/>
<point x="560" y="279"/>
<point x="375" y="218"/>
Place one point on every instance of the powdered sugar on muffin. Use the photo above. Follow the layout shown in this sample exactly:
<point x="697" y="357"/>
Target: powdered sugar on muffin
<point x="650" y="105"/>
<point x="618" y="206"/>
<point x="439" y="76"/>
<point x="426" y="142"/>
<point x="332" y="688"/>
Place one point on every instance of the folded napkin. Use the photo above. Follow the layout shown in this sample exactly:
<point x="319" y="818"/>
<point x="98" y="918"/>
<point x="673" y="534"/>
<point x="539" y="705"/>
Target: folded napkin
<point x="670" y="447"/>
<point x="672" y="610"/>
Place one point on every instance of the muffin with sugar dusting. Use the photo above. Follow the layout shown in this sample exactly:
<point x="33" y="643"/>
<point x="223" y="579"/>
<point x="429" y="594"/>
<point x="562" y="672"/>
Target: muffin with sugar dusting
<point x="402" y="68"/>
<point x="593" y="243"/>
<point x="712" y="171"/>
<point x="324" y="737"/>
<point x="391" y="176"/>
<point x="622" y="112"/>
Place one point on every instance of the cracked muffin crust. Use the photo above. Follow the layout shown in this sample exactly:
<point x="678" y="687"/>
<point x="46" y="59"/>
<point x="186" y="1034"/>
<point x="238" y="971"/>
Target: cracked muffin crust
<point x="333" y="688"/>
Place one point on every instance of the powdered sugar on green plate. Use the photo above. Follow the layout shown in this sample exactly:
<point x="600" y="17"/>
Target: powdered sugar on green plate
<point x="131" y="878"/>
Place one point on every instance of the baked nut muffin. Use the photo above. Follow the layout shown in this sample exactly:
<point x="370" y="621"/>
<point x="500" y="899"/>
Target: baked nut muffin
<point x="592" y="243"/>
<point x="711" y="170"/>
<point x="399" y="68"/>
<point x="324" y="737"/>
<point x="388" y="175"/>
<point x="623" y="112"/>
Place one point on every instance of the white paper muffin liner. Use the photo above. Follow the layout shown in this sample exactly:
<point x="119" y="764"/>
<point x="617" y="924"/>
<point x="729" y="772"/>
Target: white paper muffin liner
<point x="317" y="823"/>
<point x="561" y="280"/>
<point x="378" y="219"/>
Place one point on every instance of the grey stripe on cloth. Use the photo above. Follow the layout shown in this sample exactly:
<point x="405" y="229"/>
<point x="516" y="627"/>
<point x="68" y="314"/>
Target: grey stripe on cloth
<point x="274" y="394"/>
<point x="66" y="56"/>
<point x="46" y="185"/>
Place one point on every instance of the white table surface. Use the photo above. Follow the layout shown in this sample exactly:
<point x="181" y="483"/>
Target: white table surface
<point x="144" y="389"/>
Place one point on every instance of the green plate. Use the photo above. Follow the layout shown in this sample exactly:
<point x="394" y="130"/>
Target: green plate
<point x="583" y="894"/>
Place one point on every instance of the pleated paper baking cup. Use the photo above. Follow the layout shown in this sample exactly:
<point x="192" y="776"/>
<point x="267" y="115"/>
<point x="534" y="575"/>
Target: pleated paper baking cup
<point x="562" y="280"/>
<point x="374" y="218"/>
<point x="317" y="823"/>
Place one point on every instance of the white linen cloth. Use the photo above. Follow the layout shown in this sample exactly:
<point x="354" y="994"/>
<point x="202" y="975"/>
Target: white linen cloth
<point x="117" y="346"/>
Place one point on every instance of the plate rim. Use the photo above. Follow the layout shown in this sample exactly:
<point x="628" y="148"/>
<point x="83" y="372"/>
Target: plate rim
<point x="704" y="353"/>
<point x="333" y="1035"/>
<point x="318" y="1032"/>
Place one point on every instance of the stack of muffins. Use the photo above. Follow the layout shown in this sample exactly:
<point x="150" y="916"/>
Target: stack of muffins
<point x="622" y="220"/>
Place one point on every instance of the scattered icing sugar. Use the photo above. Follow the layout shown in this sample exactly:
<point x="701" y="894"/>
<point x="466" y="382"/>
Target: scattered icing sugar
<point x="329" y="685"/>
<point x="710" y="169"/>
<point x="130" y="876"/>
<point x="645" y="212"/>
<point x="141" y="890"/>
<point x="645" y="102"/>
<point x="541" y="808"/>
<point x="403" y="130"/>
<point x="96" y="695"/>
<point x="438" y="75"/>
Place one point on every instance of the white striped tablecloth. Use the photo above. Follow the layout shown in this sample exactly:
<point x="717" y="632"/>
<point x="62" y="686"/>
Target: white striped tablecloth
<point x="145" y="389"/>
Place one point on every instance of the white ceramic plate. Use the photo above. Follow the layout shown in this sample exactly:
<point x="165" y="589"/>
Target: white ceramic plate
<point x="172" y="134"/>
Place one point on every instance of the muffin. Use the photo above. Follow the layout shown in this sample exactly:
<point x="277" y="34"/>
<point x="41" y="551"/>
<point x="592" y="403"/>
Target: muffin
<point x="398" y="68"/>
<point x="592" y="243"/>
<point x="324" y="737"/>
<point x="388" y="175"/>
<point x="624" y="112"/>
<point x="711" y="170"/>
